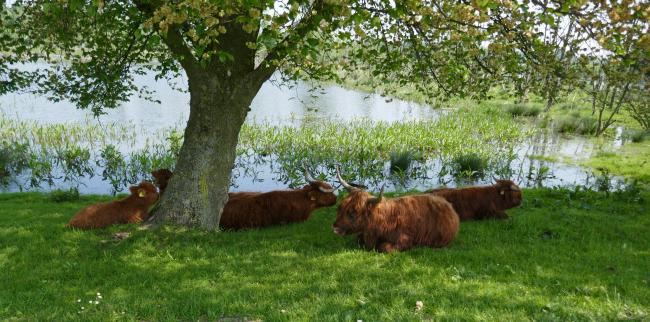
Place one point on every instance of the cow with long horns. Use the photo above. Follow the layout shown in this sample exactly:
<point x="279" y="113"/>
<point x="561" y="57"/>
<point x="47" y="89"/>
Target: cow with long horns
<point x="395" y="224"/>
<point x="482" y="202"/>
<point x="254" y="210"/>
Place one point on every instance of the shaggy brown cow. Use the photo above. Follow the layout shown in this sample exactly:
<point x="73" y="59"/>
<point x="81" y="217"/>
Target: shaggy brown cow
<point x="257" y="209"/>
<point x="161" y="176"/>
<point x="484" y="201"/>
<point x="254" y="210"/>
<point x="388" y="225"/>
<point x="132" y="209"/>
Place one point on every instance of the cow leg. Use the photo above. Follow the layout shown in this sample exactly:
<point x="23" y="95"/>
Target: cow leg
<point x="403" y="242"/>
<point x="386" y="247"/>
<point x="360" y="239"/>
<point x="369" y="241"/>
<point x="500" y="215"/>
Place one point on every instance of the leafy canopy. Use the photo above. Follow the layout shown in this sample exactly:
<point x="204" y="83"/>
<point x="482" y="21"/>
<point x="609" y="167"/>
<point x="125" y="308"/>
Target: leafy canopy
<point x="90" y="51"/>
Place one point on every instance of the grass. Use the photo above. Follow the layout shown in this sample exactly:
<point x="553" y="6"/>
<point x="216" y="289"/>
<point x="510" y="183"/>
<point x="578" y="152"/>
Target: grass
<point x="363" y="146"/>
<point x="636" y="136"/>
<point x="576" y="124"/>
<point x="31" y="153"/>
<point x="400" y="161"/>
<point x="469" y="165"/>
<point x="632" y="160"/>
<point x="562" y="256"/>
<point x="526" y="110"/>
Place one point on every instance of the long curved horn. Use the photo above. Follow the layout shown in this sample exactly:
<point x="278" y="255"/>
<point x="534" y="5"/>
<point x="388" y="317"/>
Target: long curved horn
<point x="343" y="182"/>
<point x="494" y="178"/>
<point x="514" y="187"/>
<point x="308" y="175"/>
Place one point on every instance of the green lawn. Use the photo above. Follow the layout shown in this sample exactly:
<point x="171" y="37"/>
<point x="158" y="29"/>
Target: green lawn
<point x="562" y="256"/>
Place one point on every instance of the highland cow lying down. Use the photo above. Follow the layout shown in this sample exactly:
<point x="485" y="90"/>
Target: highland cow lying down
<point x="132" y="209"/>
<point x="260" y="209"/>
<point x="276" y="207"/>
<point x="399" y="224"/>
<point x="482" y="202"/>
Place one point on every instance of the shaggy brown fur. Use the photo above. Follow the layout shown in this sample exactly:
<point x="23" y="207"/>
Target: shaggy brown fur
<point x="253" y="210"/>
<point x="242" y="194"/>
<point x="482" y="202"/>
<point x="396" y="224"/>
<point x="161" y="177"/>
<point x="132" y="209"/>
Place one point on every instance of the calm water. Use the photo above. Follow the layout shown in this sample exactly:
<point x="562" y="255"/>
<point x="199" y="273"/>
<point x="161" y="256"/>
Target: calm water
<point x="284" y="104"/>
<point x="293" y="104"/>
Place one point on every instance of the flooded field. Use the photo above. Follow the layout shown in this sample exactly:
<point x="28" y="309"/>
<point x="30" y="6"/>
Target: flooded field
<point x="532" y="160"/>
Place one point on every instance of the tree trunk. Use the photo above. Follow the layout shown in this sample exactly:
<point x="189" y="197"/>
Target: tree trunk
<point x="198" y="189"/>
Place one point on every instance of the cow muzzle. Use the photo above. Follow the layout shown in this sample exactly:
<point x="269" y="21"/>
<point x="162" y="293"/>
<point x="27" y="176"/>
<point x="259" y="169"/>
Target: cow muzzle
<point x="338" y="231"/>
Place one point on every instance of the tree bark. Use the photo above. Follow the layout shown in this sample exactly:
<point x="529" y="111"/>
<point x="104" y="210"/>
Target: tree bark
<point x="198" y="189"/>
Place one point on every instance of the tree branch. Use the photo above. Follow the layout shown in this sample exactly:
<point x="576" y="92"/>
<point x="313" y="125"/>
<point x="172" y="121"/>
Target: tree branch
<point x="174" y="40"/>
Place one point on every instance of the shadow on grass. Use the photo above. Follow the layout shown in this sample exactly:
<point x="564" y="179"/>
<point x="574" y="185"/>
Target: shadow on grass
<point x="586" y="258"/>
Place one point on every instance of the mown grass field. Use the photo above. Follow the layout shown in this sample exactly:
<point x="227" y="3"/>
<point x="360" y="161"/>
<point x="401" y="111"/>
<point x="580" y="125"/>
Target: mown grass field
<point x="563" y="256"/>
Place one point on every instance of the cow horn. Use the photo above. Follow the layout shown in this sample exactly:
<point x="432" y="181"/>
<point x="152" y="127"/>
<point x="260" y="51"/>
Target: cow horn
<point x="380" y="198"/>
<point x="324" y="190"/>
<point x="343" y="182"/>
<point x="308" y="175"/>
<point x="514" y="187"/>
<point x="494" y="178"/>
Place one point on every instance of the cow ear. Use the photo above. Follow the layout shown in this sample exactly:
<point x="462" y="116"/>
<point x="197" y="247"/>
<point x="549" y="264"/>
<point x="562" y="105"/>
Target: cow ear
<point x="373" y="202"/>
<point x="133" y="190"/>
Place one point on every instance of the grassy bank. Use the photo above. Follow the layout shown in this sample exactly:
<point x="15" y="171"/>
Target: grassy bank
<point x="632" y="161"/>
<point x="562" y="256"/>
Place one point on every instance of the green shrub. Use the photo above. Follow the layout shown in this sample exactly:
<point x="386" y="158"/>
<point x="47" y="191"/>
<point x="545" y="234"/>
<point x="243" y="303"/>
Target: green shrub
<point x="469" y="165"/>
<point x="635" y="136"/>
<point x="59" y="195"/>
<point x="401" y="160"/>
<point x="576" y="125"/>
<point x="568" y="106"/>
<point x="523" y="109"/>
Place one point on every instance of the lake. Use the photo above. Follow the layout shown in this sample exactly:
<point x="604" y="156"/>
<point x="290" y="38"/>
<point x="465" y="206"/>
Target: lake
<point x="292" y="105"/>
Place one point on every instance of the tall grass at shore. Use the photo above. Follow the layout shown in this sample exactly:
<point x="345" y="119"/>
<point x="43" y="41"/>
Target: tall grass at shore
<point x="43" y="153"/>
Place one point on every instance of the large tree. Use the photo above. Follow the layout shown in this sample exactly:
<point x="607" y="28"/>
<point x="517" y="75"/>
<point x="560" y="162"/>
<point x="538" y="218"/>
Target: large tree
<point x="89" y="51"/>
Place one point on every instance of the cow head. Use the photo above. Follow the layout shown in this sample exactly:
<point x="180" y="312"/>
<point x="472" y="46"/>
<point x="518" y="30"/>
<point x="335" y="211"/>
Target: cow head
<point x="509" y="193"/>
<point x="161" y="176"/>
<point x="145" y="192"/>
<point x="318" y="192"/>
<point x="355" y="209"/>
